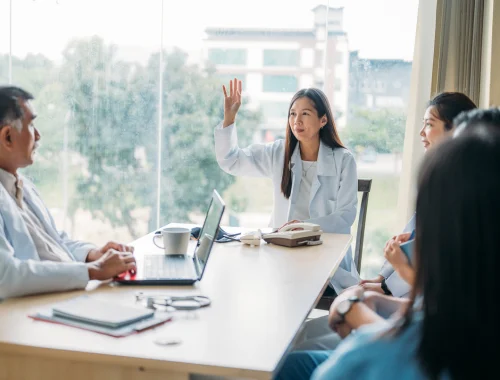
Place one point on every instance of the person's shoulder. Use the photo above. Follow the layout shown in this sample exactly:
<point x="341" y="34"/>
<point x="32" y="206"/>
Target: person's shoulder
<point x="368" y="353"/>
<point x="276" y="145"/>
<point x="344" y="153"/>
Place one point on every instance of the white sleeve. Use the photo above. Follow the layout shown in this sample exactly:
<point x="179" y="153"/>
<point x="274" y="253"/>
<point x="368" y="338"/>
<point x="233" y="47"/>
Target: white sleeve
<point x="254" y="161"/>
<point x="386" y="269"/>
<point x="23" y="277"/>
<point x="397" y="286"/>
<point x="79" y="249"/>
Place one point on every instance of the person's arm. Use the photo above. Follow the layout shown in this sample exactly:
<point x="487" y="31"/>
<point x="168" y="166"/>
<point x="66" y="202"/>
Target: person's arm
<point x="344" y="215"/>
<point x="79" y="249"/>
<point x="407" y="273"/>
<point x="386" y="270"/>
<point x="254" y="161"/>
<point x="385" y="306"/>
<point x="360" y="313"/>
<point x="23" y="277"/>
<point x="374" y="307"/>
<point x="375" y="280"/>
<point x="398" y="259"/>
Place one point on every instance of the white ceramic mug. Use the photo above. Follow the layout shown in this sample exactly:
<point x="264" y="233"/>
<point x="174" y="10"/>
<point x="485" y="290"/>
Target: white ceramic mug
<point x="175" y="240"/>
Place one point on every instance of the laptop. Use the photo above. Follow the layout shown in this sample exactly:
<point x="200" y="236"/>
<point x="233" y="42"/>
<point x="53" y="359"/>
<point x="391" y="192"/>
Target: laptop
<point x="181" y="269"/>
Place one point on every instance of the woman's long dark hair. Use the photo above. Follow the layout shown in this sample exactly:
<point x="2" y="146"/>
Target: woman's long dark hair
<point x="328" y="134"/>
<point x="457" y="256"/>
<point x="448" y="105"/>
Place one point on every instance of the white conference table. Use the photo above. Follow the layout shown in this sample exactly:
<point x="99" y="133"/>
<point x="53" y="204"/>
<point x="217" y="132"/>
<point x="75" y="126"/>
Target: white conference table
<point x="260" y="298"/>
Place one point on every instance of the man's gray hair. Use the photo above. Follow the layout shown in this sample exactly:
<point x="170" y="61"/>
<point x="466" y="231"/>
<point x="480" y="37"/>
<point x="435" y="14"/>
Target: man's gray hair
<point x="11" y="112"/>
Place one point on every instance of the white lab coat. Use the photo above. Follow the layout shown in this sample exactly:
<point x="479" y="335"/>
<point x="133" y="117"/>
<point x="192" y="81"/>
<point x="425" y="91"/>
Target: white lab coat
<point x="21" y="270"/>
<point x="333" y="198"/>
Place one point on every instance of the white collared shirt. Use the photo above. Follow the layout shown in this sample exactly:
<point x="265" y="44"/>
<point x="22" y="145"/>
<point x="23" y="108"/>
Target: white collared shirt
<point x="47" y="248"/>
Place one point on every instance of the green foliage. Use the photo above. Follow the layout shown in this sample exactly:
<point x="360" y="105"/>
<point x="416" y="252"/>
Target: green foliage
<point x="110" y="109"/>
<point x="381" y="129"/>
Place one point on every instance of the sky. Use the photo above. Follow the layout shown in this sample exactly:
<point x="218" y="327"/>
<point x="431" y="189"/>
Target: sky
<point x="376" y="28"/>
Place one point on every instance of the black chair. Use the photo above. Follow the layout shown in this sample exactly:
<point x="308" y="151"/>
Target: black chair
<point x="364" y="186"/>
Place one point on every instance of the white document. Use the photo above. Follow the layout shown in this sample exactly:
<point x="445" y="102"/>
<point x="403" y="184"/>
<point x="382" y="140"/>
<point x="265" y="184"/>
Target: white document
<point x="343" y="279"/>
<point x="397" y="286"/>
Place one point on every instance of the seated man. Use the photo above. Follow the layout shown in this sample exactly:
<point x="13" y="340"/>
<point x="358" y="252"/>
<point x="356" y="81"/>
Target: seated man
<point x="34" y="256"/>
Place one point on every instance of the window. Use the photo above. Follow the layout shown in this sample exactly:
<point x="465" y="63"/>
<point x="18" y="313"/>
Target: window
<point x="319" y="56"/>
<point x="280" y="83"/>
<point x="273" y="110"/>
<point x="281" y="58"/>
<point x="380" y="86"/>
<point x="102" y="113"/>
<point x="4" y="41"/>
<point x="228" y="56"/>
<point x="224" y="79"/>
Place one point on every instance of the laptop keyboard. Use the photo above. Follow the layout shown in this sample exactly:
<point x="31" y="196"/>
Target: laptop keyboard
<point x="168" y="267"/>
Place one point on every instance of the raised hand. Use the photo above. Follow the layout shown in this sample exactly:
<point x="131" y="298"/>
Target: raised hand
<point x="232" y="102"/>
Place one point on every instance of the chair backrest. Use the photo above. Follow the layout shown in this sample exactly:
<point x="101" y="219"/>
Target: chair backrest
<point x="364" y="186"/>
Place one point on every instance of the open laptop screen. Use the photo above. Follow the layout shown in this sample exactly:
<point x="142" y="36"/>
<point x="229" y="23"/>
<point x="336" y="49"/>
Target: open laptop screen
<point x="209" y="231"/>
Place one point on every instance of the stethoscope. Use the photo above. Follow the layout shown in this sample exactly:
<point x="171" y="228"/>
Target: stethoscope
<point x="155" y="301"/>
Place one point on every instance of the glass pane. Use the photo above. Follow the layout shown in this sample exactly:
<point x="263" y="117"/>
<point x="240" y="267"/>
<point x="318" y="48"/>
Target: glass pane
<point x="4" y="41"/>
<point x="280" y="83"/>
<point x="227" y="56"/>
<point x="364" y="74"/>
<point x="97" y="86"/>
<point x="376" y="73"/>
<point x="281" y="57"/>
<point x="96" y="89"/>
<point x="243" y="47"/>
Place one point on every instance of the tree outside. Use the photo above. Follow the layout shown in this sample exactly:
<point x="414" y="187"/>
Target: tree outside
<point x="383" y="130"/>
<point x="107" y="111"/>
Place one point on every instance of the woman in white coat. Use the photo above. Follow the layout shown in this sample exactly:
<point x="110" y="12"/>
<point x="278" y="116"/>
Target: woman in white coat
<point x="314" y="176"/>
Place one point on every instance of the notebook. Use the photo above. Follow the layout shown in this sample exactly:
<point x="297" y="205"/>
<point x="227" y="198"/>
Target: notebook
<point x="408" y="246"/>
<point x="89" y="310"/>
<point x="92" y="314"/>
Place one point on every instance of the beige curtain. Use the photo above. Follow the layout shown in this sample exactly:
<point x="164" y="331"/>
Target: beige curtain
<point x="458" y="50"/>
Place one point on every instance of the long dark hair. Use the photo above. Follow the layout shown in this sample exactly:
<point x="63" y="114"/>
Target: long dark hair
<point x="328" y="133"/>
<point x="448" y="106"/>
<point x="457" y="256"/>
